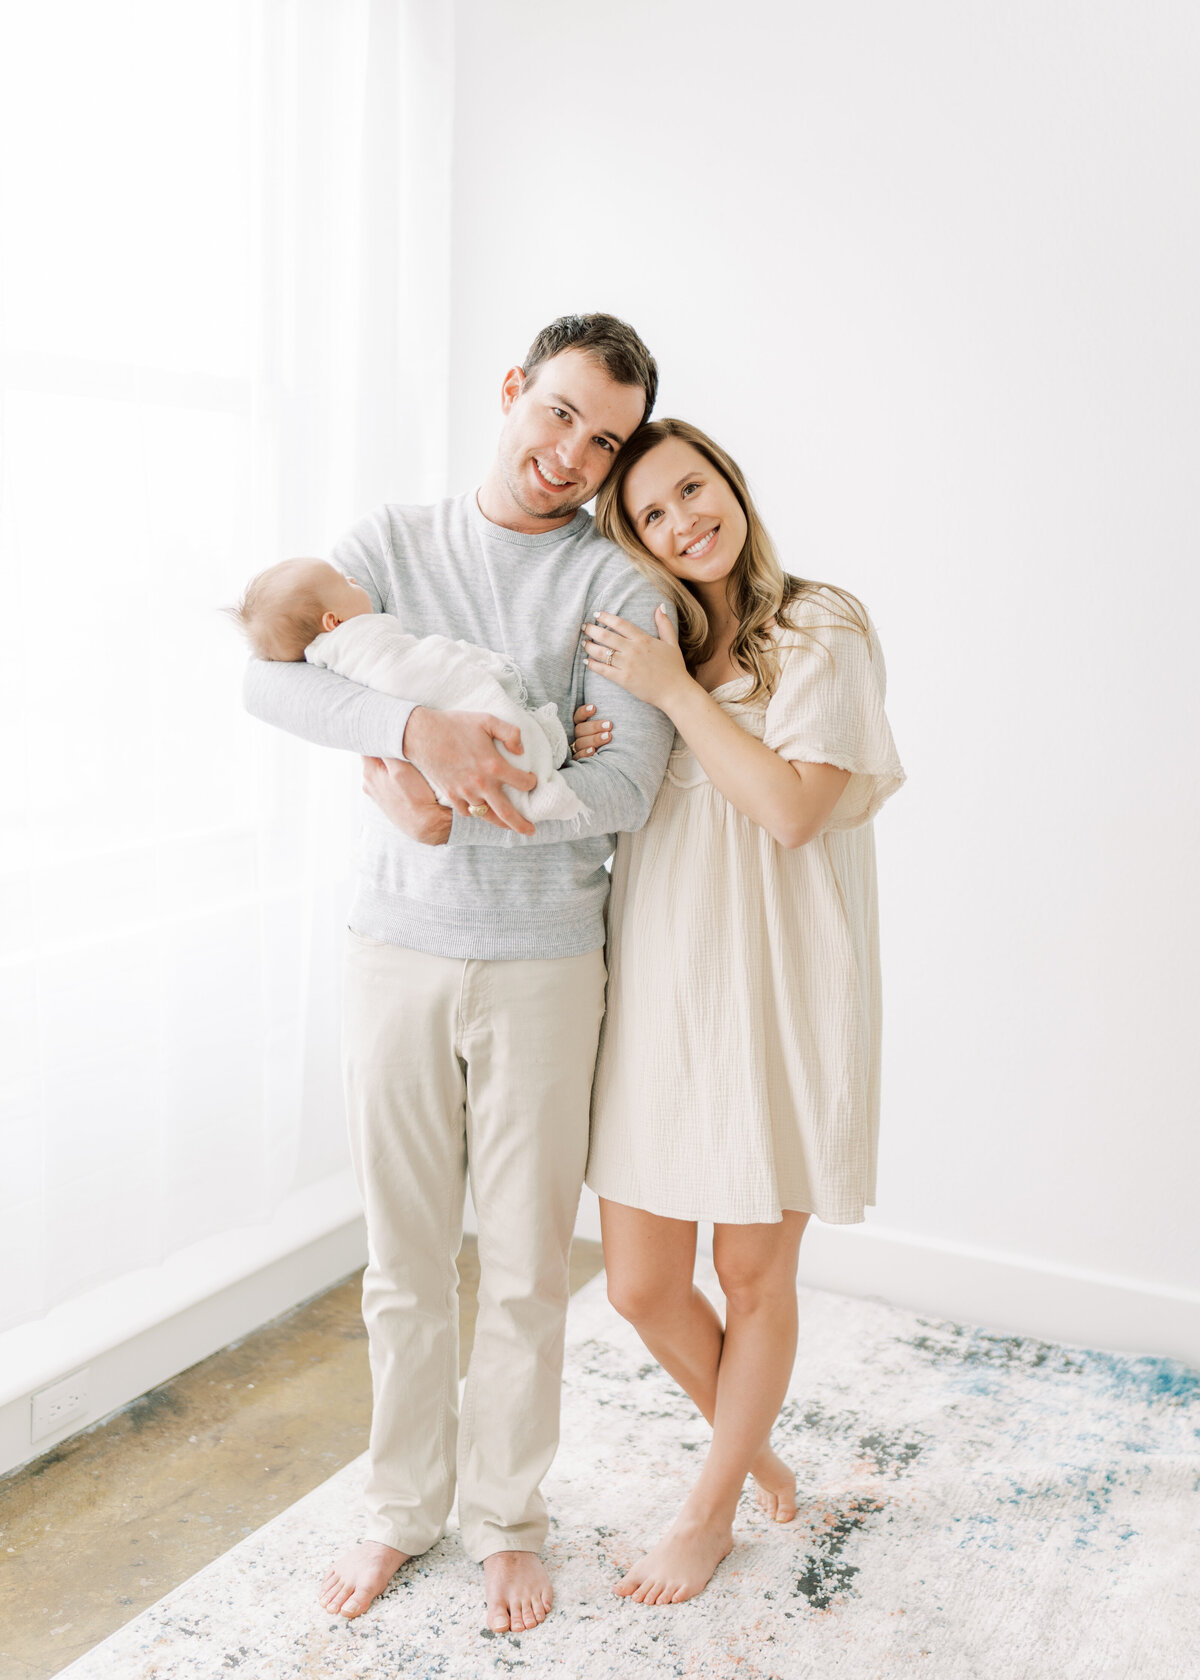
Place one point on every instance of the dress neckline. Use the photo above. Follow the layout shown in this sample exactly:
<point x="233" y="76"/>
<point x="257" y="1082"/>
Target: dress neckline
<point x="735" y="682"/>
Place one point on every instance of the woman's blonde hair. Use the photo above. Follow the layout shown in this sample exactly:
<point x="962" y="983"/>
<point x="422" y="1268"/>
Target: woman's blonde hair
<point x="760" y="591"/>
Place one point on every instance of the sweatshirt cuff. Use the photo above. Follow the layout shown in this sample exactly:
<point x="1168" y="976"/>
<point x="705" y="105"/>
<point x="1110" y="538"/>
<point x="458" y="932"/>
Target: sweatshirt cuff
<point x="406" y="711"/>
<point x="473" y="831"/>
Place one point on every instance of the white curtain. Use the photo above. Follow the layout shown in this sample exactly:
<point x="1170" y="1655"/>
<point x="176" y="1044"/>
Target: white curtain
<point x="223" y="307"/>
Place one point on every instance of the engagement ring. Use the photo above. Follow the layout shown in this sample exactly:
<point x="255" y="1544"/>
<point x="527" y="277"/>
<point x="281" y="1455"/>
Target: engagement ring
<point x="477" y="810"/>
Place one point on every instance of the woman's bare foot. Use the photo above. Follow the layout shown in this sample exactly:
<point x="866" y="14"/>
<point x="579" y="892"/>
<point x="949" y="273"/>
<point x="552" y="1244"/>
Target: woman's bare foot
<point x="680" y="1566"/>
<point x="519" y="1594"/>
<point x="775" y="1486"/>
<point x="359" y="1576"/>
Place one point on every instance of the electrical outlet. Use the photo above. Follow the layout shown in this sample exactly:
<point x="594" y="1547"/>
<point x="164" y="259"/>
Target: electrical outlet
<point x="60" y="1404"/>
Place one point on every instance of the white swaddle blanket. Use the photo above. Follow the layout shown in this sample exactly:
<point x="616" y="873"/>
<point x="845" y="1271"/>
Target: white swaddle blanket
<point x="375" y="650"/>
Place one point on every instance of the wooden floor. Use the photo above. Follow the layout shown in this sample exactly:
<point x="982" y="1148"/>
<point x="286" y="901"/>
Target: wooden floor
<point x="106" y="1523"/>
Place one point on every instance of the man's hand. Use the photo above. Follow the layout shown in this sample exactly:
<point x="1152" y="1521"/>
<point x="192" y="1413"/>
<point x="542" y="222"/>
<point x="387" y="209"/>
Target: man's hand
<point x="406" y="799"/>
<point x="457" y="750"/>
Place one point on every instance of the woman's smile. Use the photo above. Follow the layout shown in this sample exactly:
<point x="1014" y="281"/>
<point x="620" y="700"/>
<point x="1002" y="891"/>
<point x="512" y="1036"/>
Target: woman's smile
<point x="685" y="513"/>
<point x="701" y="546"/>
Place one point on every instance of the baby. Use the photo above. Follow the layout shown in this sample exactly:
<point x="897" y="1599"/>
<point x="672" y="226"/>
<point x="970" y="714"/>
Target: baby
<point x="306" y="609"/>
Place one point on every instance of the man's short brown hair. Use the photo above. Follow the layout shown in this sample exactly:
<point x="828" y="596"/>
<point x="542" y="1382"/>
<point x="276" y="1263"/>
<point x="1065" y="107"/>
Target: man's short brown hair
<point x="609" y="341"/>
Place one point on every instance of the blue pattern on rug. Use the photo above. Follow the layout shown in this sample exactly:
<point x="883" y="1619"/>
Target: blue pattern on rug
<point x="971" y="1505"/>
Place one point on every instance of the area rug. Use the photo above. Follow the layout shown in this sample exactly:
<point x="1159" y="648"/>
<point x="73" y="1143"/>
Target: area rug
<point x="974" y="1507"/>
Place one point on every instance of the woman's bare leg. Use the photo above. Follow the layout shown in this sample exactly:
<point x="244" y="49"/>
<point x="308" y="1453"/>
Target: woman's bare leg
<point x="650" y="1262"/>
<point x="757" y="1268"/>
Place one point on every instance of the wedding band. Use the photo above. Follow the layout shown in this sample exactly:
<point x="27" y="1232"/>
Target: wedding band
<point x="477" y="810"/>
<point x="611" y="651"/>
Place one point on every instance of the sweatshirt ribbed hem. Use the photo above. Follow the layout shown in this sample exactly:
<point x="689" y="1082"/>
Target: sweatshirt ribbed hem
<point x="492" y="933"/>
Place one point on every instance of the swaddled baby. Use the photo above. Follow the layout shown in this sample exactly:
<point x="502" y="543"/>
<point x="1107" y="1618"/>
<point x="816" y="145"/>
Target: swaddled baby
<point x="306" y="609"/>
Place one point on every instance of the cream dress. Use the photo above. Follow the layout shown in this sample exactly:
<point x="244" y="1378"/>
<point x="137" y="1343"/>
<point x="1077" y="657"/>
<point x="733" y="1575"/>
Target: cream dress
<point x="738" y="1072"/>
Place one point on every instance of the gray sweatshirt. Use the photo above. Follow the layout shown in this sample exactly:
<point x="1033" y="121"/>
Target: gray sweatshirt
<point x="446" y="569"/>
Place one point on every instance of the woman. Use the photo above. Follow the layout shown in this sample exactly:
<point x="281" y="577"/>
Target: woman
<point x="738" y="1072"/>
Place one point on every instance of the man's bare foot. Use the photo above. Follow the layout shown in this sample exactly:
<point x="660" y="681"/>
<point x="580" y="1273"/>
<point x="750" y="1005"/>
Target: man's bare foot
<point x="359" y="1576"/>
<point x="519" y="1594"/>
<point x="680" y="1566"/>
<point x="775" y="1486"/>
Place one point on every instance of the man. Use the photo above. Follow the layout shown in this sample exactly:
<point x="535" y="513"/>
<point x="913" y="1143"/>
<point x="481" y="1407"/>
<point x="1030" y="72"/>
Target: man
<point x="475" y="973"/>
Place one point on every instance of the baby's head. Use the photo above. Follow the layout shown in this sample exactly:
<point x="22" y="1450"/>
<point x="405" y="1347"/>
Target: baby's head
<point x="289" y="605"/>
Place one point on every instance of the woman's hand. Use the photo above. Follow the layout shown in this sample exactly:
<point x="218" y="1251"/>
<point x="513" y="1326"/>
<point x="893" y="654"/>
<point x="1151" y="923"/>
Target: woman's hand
<point x="590" y="732"/>
<point x="648" y="667"/>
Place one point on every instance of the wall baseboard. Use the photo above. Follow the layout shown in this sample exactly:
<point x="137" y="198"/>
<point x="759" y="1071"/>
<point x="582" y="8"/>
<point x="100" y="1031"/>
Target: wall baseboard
<point x="1007" y="1293"/>
<point x="141" y="1330"/>
<point x="1012" y="1294"/>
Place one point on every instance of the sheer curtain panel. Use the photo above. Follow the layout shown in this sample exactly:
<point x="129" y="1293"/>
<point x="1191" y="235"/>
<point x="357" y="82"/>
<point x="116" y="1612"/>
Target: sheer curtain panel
<point x="223" y="248"/>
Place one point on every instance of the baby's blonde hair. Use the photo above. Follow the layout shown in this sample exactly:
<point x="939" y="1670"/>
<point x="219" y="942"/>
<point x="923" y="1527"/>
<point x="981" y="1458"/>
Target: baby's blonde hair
<point x="280" y="611"/>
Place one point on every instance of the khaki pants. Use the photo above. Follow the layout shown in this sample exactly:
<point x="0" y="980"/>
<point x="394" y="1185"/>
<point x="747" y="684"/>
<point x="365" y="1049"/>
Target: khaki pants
<point x="457" y="1068"/>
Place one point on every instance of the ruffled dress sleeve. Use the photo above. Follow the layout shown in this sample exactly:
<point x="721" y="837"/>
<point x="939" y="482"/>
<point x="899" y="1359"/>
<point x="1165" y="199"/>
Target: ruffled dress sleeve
<point x="827" y="708"/>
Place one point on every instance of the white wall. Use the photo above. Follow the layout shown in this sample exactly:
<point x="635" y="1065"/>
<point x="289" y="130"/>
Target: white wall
<point x="930" y="272"/>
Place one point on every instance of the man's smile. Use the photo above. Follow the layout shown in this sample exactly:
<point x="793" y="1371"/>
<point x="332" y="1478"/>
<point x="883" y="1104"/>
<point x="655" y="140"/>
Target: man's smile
<point x="549" y="479"/>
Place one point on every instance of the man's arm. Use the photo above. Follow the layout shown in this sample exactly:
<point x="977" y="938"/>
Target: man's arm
<point x="319" y="705"/>
<point x="617" y="789"/>
<point x="618" y="786"/>
<point x="331" y="711"/>
<point x="455" y="749"/>
<point x="322" y="707"/>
